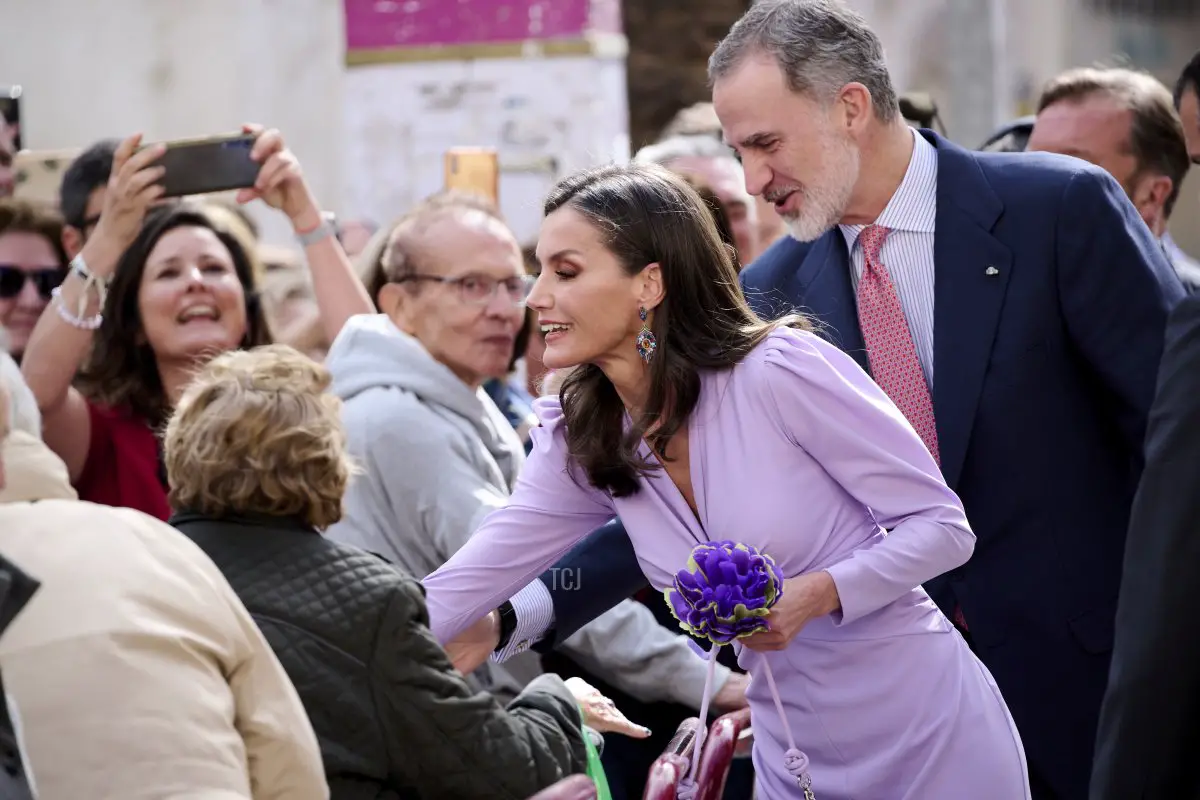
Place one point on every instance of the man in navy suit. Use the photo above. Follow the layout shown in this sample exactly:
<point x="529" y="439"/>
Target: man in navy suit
<point x="1036" y="301"/>
<point x="1024" y="300"/>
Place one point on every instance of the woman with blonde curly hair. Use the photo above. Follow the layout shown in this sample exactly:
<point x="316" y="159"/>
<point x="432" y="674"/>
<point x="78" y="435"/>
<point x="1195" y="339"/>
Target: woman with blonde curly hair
<point x="257" y="463"/>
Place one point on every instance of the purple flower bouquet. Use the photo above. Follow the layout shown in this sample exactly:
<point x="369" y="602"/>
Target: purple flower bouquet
<point x="726" y="593"/>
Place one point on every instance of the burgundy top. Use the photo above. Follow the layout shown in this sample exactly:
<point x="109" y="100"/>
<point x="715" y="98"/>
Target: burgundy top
<point x="123" y="465"/>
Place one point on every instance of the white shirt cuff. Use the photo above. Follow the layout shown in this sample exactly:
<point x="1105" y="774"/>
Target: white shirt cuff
<point x="534" y="609"/>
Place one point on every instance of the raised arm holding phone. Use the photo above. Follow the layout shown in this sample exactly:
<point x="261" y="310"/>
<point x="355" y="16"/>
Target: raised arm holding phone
<point x="155" y="291"/>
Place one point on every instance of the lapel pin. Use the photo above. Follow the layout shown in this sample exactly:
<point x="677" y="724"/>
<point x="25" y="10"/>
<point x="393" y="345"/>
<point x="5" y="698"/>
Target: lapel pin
<point x="990" y="271"/>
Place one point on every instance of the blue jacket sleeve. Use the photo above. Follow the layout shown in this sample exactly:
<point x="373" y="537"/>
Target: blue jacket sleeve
<point x="598" y="573"/>
<point x="1117" y="288"/>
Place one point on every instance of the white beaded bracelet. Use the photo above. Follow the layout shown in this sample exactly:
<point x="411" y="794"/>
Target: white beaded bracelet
<point x="91" y="282"/>
<point x="83" y="323"/>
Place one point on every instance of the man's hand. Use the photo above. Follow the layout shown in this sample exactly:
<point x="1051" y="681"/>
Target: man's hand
<point x="805" y="598"/>
<point x="471" y="648"/>
<point x="732" y="694"/>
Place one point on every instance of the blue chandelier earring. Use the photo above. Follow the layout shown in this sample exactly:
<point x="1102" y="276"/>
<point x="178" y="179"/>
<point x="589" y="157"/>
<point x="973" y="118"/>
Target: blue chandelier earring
<point x="646" y="343"/>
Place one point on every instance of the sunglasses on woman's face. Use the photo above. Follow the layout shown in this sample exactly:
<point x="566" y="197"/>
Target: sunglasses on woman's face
<point x="45" y="279"/>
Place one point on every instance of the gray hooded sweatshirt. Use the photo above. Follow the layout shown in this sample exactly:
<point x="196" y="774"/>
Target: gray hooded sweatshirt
<point x="436" y="457"/>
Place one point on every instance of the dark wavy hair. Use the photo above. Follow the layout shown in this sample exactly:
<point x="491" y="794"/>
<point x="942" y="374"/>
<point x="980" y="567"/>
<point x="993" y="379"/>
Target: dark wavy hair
<point x="647" y="214"/>
<point x="121" y="371"/>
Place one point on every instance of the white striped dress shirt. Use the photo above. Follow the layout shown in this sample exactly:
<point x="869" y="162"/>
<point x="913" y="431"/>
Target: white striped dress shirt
<point x="908" y="250"/>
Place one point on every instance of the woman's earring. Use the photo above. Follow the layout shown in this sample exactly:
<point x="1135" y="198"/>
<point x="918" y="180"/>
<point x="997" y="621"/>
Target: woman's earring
<point x="646" y="343"/>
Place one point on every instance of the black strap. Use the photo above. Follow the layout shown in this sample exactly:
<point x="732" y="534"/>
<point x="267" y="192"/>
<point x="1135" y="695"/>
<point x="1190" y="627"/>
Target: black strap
<point x="508" y="624"/>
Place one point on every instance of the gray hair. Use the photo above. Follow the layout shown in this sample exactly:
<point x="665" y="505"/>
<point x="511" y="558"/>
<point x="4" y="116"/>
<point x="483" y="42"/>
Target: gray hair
<point x="821" y="45"/>
<point x="23" y="414"/>
<point x="676" y="147"/>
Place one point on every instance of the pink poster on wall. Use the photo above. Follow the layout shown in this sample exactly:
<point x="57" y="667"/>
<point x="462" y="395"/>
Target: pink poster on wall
<point x="388" y="24"/>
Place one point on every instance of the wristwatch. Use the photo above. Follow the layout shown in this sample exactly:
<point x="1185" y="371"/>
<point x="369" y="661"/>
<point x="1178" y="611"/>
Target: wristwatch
<point x="327" y="228"/>
<point x="508" y="624"/>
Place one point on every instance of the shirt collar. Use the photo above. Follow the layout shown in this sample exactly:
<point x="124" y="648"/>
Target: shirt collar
<point x="914" y="205"/>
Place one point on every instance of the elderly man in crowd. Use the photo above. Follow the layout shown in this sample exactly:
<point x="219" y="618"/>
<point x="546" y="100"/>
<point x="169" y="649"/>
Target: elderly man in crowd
<point x="714" y="163"/>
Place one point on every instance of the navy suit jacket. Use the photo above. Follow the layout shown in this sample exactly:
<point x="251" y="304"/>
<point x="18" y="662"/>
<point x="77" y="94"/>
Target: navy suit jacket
<point x="608" y="572"/>
<point x="1051" y="301"/>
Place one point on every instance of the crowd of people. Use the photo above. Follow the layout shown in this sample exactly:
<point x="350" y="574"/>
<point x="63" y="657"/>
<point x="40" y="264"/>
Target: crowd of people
<point x="395" y="517"/>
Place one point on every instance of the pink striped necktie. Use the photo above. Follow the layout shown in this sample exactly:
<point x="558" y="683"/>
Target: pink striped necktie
<point x="890" y="348"/>
<point x="891" y="352"/>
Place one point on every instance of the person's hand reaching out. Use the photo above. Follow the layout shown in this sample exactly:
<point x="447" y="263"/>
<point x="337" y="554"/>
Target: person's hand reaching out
<point x="600" y="713"/>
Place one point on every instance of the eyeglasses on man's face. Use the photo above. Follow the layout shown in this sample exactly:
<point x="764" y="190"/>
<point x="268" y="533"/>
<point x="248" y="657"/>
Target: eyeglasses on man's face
<point x="478" y="290"/>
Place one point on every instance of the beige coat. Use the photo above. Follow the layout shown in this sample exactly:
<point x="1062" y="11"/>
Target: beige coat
<point x="136" y="671"/>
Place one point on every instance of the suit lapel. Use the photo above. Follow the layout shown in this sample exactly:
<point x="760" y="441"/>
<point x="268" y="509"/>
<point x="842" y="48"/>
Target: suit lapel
<point x="971" y="272"/>
<point x="823" y="281"/>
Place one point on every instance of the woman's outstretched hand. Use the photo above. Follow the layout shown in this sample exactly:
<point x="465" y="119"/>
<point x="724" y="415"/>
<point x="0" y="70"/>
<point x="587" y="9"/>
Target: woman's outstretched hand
<point x="805" y="597"/>
<point x="600" y="713"/>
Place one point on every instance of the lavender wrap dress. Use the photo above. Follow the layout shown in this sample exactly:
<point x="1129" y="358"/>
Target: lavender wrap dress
<point x="798" y="452"/>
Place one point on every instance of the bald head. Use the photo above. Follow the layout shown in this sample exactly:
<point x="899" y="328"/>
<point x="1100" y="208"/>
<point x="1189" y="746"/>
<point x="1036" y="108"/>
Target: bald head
<point x="429" y="243"/>
<point x="456" y="282"/>
<point x="421" y="233"/>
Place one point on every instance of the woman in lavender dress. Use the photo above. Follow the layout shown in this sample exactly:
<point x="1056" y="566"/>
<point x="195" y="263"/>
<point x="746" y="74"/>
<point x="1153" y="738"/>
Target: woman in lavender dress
<point x="762" y="433"/>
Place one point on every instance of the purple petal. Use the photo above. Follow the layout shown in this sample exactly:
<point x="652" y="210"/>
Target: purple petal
<point x="718" y="599"/>
<point x="679" y="606"/>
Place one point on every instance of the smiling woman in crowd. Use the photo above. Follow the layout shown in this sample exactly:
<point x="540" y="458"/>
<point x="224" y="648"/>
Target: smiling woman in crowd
<point x="151" y="297"/>
<point x="32" y="263"/>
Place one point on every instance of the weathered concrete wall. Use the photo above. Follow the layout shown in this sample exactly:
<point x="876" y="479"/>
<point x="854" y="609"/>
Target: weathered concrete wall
<point x="174" y="69"/>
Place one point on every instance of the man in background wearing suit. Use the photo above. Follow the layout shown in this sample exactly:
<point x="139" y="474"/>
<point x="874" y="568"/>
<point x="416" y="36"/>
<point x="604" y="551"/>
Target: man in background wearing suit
<point x="1122" y="120"/>
<point x="1011" y="305"/>
<point x="1150" y="721"/>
